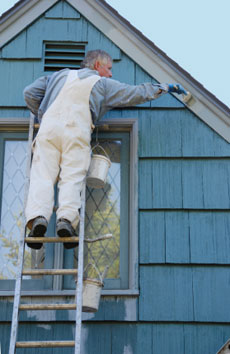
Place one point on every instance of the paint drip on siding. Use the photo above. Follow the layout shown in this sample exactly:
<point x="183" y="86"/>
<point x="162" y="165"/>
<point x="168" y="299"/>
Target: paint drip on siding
<point x="128" y="349"/>
<point x="84" y="338"/>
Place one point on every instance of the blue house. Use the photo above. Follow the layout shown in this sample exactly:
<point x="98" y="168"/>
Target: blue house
<point x="166" y="201"/>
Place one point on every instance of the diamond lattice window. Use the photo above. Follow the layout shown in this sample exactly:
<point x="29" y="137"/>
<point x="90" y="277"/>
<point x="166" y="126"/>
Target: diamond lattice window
<point x="107" y="212"/>
<point x="103" y="216"/>
<point x="12" y="206"/>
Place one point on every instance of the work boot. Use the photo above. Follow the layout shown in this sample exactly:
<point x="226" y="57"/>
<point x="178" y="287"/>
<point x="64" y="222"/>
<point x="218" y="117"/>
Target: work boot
<point x="39" y="228"/>
<point x="65" y="229"/>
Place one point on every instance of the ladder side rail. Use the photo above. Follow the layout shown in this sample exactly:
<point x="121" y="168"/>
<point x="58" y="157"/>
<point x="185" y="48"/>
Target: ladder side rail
<point x="18" y="281"/>
<point x="79" y="287"/>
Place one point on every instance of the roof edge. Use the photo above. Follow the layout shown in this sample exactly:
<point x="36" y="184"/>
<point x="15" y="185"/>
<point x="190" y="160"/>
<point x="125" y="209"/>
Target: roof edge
<point x="12" y="22"/>
<point x="17" y="6"/>
<point x="162" y="55"/>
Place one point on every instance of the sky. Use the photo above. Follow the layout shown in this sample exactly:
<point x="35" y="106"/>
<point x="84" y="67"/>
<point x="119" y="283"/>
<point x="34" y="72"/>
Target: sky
<point x="195" y="34"/>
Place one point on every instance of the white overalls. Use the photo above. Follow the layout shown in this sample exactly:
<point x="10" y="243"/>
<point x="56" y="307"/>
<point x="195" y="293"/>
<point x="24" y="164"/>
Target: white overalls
<point x="62" y="150"/>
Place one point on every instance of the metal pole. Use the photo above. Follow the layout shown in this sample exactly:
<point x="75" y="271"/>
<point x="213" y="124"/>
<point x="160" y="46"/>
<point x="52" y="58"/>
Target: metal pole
<point x="15" y="315"/>
<point x="79" y="287"/>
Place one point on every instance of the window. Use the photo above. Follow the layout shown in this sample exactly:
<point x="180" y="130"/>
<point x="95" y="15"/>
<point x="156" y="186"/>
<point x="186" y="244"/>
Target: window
<point x="13" y="161"/>
<point x="108" y="210"/>
<point x="13" y="176"/>
<point x="59" y="56"/>
<point x="107" y="213"/>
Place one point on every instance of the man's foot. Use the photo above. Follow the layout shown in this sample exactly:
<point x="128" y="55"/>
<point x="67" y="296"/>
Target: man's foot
<point x="39" y="228"/>
<point x="65" y="229"/>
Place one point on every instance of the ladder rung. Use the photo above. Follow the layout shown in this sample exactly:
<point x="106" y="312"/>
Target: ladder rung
<point x="51" y="239"/>
<point x="47" y="307"/>
<point x="50" y="272"/>
<point x="47" y="344"/>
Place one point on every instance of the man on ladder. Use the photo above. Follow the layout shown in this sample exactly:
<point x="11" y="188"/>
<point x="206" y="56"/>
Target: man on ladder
<point x="68" y="103"/>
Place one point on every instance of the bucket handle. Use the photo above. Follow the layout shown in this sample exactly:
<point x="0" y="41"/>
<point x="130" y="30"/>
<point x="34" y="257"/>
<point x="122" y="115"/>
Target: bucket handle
<point x="98" y="145"/>
<point x="105" y="272"/>
<point x="97" y="270"/>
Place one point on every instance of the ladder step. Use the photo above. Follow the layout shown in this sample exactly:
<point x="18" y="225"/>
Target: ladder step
<point x="50" y="272"/>
<point x="51" y="239"/>
<point x="47" y="344"/>
<point x="47" y="307"/>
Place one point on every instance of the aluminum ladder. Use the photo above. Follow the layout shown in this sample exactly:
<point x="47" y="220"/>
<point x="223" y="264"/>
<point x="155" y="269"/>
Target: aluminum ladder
<point x="14" y="344"/>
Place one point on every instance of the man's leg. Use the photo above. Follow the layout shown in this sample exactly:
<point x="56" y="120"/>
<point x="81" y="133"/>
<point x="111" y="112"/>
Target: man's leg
<point x="74" y="166"/>
<point x="44" y="171"/>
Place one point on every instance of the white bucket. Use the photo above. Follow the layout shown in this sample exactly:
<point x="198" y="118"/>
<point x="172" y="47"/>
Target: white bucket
<point x="91" y="295"/>
<point x="98" y="171"/>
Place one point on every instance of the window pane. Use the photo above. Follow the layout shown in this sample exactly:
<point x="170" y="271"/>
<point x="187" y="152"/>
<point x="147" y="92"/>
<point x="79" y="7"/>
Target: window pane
<point x="13" y="157"/>
<point x="103" y="216"/>
<point x="12" y="206"/>
<point x="107" y="212"/>
<point x="14" y="173"/>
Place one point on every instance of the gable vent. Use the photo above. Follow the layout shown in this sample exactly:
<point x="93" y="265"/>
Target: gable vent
<point x="59" y="56"/>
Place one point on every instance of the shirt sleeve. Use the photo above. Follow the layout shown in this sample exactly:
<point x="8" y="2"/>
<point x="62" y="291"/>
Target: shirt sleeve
<point x="108" y="94"/>
<point x="122" y="95"/>
<point x="34" y="93"/>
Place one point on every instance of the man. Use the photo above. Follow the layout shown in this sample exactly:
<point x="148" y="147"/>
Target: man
<point x="67" y="103"/>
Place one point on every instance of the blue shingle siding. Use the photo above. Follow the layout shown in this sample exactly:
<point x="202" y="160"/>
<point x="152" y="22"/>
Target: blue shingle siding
<point x="184" y="293"/>
<point x="184" y="237"/>
<point x="178" y="133"/>
<point x="114" y="338"/>
<point x="62" y="11"/>
<point x="180" y="183"/>
<point x="184" y="218"/>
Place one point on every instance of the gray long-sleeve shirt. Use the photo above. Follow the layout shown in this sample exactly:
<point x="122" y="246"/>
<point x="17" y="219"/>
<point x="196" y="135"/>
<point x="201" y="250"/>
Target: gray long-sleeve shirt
<point x="105" y="95"/>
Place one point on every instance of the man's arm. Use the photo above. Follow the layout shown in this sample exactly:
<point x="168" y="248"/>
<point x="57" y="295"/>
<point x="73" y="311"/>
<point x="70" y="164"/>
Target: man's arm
<point x="34" y="93"/>
<point x="123" y="95"/>
<point x="108" y="94"/>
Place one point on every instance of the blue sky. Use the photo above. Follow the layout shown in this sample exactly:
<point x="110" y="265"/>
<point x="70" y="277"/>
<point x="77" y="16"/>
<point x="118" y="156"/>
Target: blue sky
<point x="193" y="33"/>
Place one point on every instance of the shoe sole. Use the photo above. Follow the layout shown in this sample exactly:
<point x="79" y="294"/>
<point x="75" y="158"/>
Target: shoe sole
<point x="39" y="231"/>
<point x="63" y="232"/>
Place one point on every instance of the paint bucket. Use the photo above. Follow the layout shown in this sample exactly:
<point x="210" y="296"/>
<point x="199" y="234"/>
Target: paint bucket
<point x="91" y="295"/>
<point x="98" y="170"/>
<point x="92" y="290"/>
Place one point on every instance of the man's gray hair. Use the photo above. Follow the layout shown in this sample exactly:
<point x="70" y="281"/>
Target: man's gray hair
<point x="95" y="55"/>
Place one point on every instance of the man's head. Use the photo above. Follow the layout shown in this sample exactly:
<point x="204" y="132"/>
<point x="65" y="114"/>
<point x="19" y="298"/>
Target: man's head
<point x="100" y="61"/>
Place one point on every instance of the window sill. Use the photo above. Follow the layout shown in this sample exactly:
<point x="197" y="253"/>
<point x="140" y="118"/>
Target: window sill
<point x="114" y="306"/>
<point x="127" y="292"/>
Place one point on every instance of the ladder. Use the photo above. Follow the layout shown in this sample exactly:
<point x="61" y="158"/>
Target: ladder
<point x="14" y="344"/>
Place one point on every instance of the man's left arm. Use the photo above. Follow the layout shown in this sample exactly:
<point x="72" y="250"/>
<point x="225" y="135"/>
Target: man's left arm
<point x="34" y="94"/>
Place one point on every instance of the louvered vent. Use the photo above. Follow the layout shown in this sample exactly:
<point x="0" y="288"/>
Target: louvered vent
<point x="63" y="55"/>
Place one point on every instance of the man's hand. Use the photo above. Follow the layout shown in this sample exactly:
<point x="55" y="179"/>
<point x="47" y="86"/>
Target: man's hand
<point x="177" y="88"/>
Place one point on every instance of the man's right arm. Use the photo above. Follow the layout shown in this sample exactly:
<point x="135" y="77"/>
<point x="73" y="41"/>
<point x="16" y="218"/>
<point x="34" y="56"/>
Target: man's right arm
<point x="34" y="93"/>
<point x="108" y="94"/>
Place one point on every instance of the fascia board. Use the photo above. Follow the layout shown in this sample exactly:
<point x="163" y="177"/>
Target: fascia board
<point x="23" y="17"/>
<point x="153" y="63"/>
